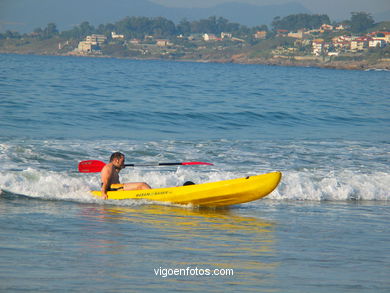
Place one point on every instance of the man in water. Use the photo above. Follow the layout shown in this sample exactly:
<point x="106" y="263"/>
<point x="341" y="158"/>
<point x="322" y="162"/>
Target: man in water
<point x="110" y="176"/>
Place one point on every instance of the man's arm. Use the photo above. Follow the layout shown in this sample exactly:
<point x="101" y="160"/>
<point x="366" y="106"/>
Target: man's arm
<point x="106" y="179"/>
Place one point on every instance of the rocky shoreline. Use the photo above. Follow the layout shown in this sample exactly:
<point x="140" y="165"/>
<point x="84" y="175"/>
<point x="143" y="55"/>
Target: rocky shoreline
<point x="383" y="64"/>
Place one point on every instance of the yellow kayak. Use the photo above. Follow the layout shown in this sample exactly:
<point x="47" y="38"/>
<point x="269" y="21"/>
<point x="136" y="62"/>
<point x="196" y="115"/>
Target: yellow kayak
<point x="221" y="193"/>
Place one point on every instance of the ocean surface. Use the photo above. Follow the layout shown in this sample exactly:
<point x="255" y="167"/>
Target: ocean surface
<point x="324" y="229"/>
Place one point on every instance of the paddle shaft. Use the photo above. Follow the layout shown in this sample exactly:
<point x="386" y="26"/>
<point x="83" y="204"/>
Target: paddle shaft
<point x="164" y="164"/>
<point x="93" y="166"/>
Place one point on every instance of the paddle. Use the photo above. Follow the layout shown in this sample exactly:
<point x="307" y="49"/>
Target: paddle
<point x="93" y="166"/>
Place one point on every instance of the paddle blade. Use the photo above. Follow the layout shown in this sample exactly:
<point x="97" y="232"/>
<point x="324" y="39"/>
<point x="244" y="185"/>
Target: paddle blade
<point x="91" y="166"/>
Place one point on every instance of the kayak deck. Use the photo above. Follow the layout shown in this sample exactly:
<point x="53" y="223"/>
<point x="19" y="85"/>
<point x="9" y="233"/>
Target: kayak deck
<point x="221" y="193"/>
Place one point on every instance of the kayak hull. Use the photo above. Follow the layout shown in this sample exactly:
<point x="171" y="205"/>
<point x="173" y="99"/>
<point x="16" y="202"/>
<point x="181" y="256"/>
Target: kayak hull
<point x="214" y="194"/>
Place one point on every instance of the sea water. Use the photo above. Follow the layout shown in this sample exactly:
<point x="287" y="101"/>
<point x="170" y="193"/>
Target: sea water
<point x="325" y="228"/>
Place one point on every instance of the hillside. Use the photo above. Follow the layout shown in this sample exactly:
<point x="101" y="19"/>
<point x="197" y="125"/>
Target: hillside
<point x="213" y="39"/>
<point x="25" y="15"/>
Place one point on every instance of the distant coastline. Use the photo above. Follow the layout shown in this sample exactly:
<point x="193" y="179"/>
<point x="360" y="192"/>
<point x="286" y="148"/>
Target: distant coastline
<point x="356" y="44"/>
<point x="383" y="64"/>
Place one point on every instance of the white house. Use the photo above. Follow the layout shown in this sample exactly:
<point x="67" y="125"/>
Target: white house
<point x="317" y="46"/>
<point x="209" y="37"/>
<point x="226" y="35"/>
<point x="96" y="39"/>
<point x="114" y="35"/>
<point x="376" y="43"/>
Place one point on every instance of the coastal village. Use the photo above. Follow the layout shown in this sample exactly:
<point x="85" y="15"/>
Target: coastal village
<point x="333" y="46"/>
<point x="303" y="38"/>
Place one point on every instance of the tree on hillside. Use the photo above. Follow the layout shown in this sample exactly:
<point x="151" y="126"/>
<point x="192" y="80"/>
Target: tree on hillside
<point x="80" y="31"/>
<point x="208" y="25"/>
<point x="184" y="27"/>
<point x="86" y="29"/>
<point x="38" y="31"/>
<point x="106" y="29"/>
<point x="162" y="27"/>
<point x="361" y="22"/>
<point x="295" y="22"/>
<point x="50" y="30"/>
<point x="138" y="27"/>
<point x="10" y="35"/>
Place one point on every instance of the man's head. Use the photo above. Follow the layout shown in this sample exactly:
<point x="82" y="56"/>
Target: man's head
<point x="118" y="160"/>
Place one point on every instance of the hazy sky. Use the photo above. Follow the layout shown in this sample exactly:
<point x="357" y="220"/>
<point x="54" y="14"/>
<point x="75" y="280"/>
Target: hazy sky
<point x="17" y="15"/>
<point x="334" y="8"/>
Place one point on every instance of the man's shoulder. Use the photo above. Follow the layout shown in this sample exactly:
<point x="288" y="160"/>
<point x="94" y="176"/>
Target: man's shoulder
<point x="107" y="168"/>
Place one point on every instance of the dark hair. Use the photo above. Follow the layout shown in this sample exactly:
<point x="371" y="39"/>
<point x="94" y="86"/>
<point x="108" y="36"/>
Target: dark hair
<point x="116" y="155"/>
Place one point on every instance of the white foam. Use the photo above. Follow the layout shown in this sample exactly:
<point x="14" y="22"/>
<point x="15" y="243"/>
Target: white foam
<point x="45" y="184"/>
<point x="311" y="170"/>
<point x="345" y="185"/>
<point x="295" y="185"/>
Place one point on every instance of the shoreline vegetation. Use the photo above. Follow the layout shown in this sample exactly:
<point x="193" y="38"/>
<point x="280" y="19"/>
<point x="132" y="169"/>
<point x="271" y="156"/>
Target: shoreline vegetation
<point x="295" y="40"/>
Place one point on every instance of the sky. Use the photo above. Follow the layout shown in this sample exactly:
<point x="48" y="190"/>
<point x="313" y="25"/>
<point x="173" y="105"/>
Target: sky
<point x="334" y="8"/>
<point x="16" y="15"/>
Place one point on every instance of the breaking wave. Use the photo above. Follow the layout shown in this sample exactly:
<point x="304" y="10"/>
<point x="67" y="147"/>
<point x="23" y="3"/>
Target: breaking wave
<point x="312" y="171"/>
<point x="295" y="185"/>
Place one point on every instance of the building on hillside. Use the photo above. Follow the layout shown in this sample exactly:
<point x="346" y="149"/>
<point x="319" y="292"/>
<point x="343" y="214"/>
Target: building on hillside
<point x="360" y="43"/>
<point x="260" y="35"/>
<point x="114" y="35"/>
<point x="87" y="47"/>
<point x="226" y="35"/>
<point x="381" y="35"/>
<point x="318" y="46"/>
<point x="340" y="27"/>
<point x="342" y="43"/>
<point x="342" y="39"/>
<point x="326" y="27"/>
<point x="282" y="33"/>
<point x="376" y="43"/>
<point x="91" y="44"/>
<point x="163" y="43"/>
<point x="96" y="39"/>
<point x="135" y="41"/>
<point x="237" y="40"/>
<point x="297" y="35"/>
<point x="210" y="37"/>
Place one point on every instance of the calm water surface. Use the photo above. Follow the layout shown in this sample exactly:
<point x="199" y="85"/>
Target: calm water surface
<point x="325" y="229"/>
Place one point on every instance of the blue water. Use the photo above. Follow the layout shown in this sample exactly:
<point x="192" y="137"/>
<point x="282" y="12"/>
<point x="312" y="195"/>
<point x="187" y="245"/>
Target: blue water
<point x="325" y="229"/>
<point x="120" y="99"/>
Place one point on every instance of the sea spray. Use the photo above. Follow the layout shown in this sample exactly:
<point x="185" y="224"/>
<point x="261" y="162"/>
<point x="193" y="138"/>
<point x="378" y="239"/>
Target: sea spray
<point x="334" y="186"/>
<point x="295" y="185"/>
